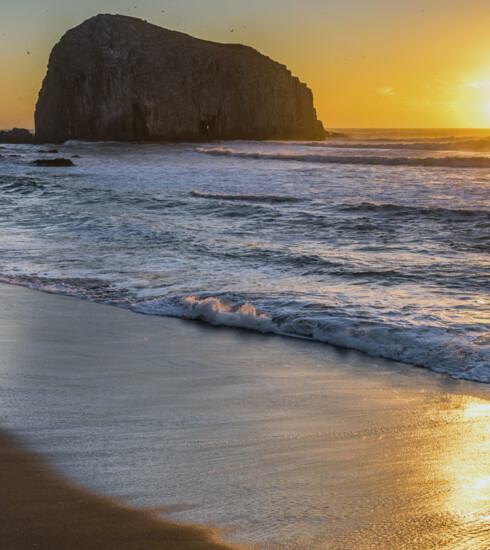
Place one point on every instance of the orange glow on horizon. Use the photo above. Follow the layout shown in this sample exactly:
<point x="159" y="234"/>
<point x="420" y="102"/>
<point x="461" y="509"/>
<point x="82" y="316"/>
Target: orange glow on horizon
<point x="386" y="65"/>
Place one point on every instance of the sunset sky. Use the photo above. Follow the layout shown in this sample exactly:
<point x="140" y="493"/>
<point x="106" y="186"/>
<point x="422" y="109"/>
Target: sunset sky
<point x="370" y="63"/>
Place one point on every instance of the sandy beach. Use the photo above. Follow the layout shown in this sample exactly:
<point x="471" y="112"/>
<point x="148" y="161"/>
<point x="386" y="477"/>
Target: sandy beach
<point x="41" y="510"/>
<point x="283" y="443"/>
<point x="244" y="276"/>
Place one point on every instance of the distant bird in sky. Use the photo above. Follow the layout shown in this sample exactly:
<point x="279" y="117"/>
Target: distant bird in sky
<point x="232" y="30"/>
<point x="28" y="53"/>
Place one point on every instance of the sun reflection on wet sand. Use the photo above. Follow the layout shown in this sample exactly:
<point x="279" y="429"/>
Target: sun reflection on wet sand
<point x="465" y="467"/>
<point x="289" y="444"/>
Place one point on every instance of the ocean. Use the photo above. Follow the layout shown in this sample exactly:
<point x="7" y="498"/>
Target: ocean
<point x="374" y="240"/>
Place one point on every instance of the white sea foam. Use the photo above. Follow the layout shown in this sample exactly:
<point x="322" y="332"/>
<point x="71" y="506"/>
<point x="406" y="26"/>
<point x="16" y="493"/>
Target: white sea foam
<point x="217" y="312"/>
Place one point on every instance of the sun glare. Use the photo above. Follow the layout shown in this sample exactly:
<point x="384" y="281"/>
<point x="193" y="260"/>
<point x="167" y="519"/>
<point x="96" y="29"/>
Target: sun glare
<point x="471" y="100"/>
<point x="486" y="112"/>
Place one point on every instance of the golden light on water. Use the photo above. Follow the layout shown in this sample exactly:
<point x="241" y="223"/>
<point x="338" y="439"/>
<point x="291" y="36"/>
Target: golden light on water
<point x="465" y="468"/>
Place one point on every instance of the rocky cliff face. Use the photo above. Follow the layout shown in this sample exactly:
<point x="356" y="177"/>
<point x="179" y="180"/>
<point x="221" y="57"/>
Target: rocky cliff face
<point x="120" y="78"/>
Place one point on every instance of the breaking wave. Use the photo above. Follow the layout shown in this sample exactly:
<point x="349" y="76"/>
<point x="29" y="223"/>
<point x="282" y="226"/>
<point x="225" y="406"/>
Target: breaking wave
<point x="482" y="145"/>
<point x="428" y="211"/>
<point x="449" y="162"/>
<point x="428" y="346"/>
<point x="424" y="345"/>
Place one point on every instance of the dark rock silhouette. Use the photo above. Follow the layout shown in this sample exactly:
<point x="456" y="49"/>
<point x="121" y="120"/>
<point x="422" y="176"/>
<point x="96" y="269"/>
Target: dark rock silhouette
<point x="119" y="78"/>
<point x="16" y="135"/>
<point x="53" y="162"/>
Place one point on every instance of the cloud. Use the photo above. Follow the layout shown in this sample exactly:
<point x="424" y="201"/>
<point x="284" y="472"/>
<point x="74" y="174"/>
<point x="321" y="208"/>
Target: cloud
<point x="386" y="91"/>
<point x="475" y="83"/>
<point x="480" y="84"/>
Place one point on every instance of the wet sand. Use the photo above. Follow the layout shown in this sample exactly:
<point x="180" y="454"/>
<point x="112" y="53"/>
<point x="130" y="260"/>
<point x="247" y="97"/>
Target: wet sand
<point x="288" y="444"/>
<point x="41" y="510"/>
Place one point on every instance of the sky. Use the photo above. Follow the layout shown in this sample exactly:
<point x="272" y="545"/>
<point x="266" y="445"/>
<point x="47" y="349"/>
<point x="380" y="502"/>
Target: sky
<point x="369" y="63"/>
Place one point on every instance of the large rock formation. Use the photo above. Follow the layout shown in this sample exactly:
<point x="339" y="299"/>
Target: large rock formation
<point x="120" y="78"/>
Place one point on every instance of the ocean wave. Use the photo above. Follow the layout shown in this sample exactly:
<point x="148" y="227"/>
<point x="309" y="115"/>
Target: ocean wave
<point x="23" y="185"/>
<point x="243" y="197"/>
<point x="408" y="136"/>
<point x="314" y="264"/>
<point x="217" y="311"/>
<point x="481" y="145"/>
<point x="427" y="346"/>
<point x="430" y="162"/>
<point x="428" y="211"/>
<point x="430" y="346"/>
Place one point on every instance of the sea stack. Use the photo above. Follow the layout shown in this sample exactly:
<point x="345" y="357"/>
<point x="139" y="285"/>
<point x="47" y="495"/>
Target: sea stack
<point x="120" y="78"/>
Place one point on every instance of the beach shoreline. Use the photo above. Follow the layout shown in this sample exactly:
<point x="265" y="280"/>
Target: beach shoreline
<point x="287" y="443"/>
<point x="41" y="510"/>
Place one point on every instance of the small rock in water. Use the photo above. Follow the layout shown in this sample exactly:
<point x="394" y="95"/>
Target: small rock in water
<point x="49" y="151"/>
<point x="53" y="162"/>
